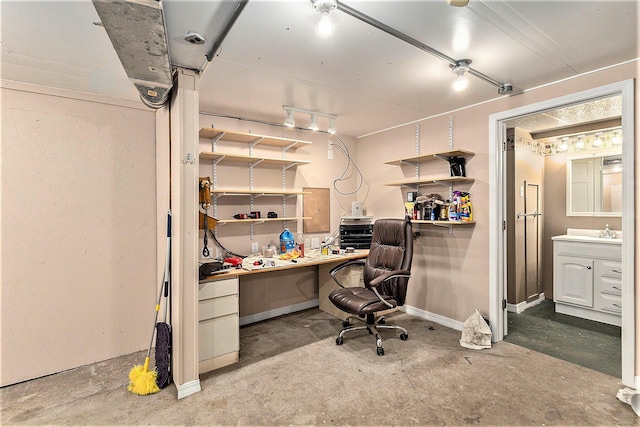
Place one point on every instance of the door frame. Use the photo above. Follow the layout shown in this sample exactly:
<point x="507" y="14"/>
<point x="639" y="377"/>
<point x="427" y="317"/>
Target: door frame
<point x="497" y="204"/>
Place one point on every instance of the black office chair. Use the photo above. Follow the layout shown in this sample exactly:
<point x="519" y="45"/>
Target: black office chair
<point x="386" y="273"/>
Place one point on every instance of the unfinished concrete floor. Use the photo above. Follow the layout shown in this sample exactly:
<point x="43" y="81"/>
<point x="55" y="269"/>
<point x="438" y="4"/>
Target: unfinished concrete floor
<point x="291" y="372"/>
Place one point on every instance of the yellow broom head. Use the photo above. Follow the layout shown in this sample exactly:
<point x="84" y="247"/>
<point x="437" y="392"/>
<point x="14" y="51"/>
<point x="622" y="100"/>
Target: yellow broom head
<point x="142" y="381"/>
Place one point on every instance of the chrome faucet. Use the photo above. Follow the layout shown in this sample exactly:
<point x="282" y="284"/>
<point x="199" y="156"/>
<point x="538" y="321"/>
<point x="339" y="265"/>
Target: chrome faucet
<point x="608" y="234"/>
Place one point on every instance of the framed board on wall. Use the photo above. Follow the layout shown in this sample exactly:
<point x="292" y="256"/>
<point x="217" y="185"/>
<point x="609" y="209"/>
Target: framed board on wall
<point x="316" y="206"/>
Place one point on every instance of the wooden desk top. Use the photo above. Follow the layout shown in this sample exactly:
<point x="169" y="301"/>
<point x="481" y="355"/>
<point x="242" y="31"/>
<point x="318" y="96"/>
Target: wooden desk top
<point x="312" y="257"/>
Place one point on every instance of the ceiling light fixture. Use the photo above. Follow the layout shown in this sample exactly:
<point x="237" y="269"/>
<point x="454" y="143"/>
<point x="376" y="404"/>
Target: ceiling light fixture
<point x="313" y="124"/>
<point x="503" y="88"/>
<point x="325" y="26"/>
<point x="459" y="68"/>
<point x="332" y="127"/>
<point x="580" y="142"/>
<point x="289" y="121"/>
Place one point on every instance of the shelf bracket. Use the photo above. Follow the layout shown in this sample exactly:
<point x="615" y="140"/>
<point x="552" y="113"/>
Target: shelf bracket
<point x="410" y="163"/>
<point x="254" y="143"/>
<point x="441" y="157"/>
<point x="417" y="165"/>
<point x="215" y="140"/>
<point x="289" y="166"/>
<point x="255" y="163"/>
<point x="287" y="148"/>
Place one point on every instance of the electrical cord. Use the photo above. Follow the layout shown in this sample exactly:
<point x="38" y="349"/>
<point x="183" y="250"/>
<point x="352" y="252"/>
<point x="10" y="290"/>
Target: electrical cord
<point x="344" y="175"/>
<point x="226" y="252"/>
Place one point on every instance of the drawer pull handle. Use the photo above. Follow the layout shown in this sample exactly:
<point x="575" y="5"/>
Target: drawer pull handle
<point x="588" y="267"/>
<point x="616" y="305"/>
<point x="615" y="287"/>
<point x="617" y="271"/>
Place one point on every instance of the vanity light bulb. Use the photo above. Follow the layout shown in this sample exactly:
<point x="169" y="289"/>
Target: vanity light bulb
<point x="597" y="142"/>
<point x="616" y="140"/>
<point x="580" y="143"/>
<point x="563" y="145"/>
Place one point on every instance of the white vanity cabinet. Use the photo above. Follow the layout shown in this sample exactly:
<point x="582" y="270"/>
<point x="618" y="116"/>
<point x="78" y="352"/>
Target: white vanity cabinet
<point x="218" y="325"/>
<point x="587" y="278"/>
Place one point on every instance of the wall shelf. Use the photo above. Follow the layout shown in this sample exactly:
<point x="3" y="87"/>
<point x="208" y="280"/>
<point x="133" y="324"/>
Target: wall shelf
<point x="251" y="138"/>
<point x="219" y="157"/>
<point x="440" y="155"/>
<point x="251" y="161"/>
<point x="259" y="220"/>
<point x="229" y="192"/>
<point x="447" y="180"/>
<point x="441" y="223"/>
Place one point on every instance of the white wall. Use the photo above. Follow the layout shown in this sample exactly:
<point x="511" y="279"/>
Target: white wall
<point x="78" y="226"/>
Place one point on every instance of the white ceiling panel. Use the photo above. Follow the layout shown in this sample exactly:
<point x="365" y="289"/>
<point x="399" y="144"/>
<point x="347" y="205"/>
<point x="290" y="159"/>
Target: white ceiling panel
<point x="371" y="80"/>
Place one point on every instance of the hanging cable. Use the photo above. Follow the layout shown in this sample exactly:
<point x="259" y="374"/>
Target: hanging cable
<point x="344" y="175"/>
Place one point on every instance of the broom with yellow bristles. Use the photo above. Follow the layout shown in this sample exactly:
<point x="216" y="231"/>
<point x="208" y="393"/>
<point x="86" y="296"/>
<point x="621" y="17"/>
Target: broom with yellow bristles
<point x="142" y="381"/>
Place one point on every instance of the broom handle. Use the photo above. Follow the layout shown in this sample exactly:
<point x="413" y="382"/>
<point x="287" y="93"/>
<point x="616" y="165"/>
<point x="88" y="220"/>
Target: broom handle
<point x="167" y="274"/>
<point x="164" y="281"/>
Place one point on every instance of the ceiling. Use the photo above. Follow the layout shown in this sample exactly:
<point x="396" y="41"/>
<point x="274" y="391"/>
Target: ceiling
<point x="369" y="79"/>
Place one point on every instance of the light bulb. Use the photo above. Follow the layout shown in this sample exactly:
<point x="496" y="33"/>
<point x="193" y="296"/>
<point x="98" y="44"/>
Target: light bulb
<point x="325" y="26"/>
<point x="314" y="122"/>
<point x="332" y="127"/>
<point x="616" y="140"/>
<point x="580" y="143"/>
<point x="289" y="121"/>
<point x="563" y="145"/>
<point x="597" y="142"/>
<point x="460" y="83"/>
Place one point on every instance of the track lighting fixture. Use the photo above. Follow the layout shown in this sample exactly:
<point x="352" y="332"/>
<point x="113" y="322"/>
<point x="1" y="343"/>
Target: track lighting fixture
<point x="459" y="68"/>
<point x="332" y="127"/>
<point x="503" y="88"/>
<point x="289" y="121"/>
<point x="313" y="124"/>
<point x="325" y="26"/>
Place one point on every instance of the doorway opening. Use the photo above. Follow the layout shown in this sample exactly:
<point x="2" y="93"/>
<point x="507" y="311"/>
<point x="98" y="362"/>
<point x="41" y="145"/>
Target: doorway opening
<point x="502" y="184"/>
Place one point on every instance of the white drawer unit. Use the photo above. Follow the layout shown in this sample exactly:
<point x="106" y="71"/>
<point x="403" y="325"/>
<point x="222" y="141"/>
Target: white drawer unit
<point x="587" y="280"/>
<point x="218" y="327"/>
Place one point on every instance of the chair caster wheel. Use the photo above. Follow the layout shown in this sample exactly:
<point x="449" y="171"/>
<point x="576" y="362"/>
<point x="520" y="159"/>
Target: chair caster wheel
<point x="380" y="351"/>
<point x="339" y="340"/>
<point x="345" y="324"/>
<point x="404" y="337"/>
<point x="381" y="321"/>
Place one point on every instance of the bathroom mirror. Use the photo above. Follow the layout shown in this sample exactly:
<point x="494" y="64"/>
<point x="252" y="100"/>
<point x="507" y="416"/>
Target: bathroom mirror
<point x="594" y="185"/>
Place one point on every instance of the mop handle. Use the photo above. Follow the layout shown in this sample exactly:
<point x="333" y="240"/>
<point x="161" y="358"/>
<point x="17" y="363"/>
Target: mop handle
<point x="164" y="281"/>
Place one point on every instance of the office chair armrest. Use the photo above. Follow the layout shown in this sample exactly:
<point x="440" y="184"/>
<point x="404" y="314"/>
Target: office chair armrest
<point x="389" y="275"/>
<point x="339" y="267"/>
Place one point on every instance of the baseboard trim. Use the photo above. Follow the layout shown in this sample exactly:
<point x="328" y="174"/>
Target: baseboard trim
<point x="522" y="306"/>
<point x="258" y="317"/>
<point x="441" y="320"/>
<point x="187" y="389"/>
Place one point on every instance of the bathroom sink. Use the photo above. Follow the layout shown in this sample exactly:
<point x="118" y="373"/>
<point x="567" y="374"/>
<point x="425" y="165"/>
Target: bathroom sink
<point x="589" y="235"/>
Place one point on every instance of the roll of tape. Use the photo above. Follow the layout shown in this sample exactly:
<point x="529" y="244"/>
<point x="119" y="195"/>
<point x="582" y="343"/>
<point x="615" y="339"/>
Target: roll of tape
<point x="350" y="250"/>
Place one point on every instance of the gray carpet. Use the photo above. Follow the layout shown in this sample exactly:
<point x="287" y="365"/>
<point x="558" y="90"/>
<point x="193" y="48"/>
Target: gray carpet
<point x="584" y="342"/>
<point x="292" y="373"/>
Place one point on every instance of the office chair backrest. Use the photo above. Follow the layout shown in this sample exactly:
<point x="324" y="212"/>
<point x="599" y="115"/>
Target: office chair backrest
<point x="391" y="249"/>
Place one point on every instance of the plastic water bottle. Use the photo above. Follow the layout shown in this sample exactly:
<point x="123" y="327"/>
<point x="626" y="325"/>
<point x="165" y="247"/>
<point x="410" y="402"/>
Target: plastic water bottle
<point x="287" y="242"/>
<point x="301" y="244"/>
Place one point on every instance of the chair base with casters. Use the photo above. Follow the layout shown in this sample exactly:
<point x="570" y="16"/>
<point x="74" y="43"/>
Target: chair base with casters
<point x="385" y="274"/>
<point x="372" y="325"/>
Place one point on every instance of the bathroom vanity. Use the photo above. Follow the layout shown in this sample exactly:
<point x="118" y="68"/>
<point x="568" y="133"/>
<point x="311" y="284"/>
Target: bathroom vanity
<point x="587" y="275"/>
